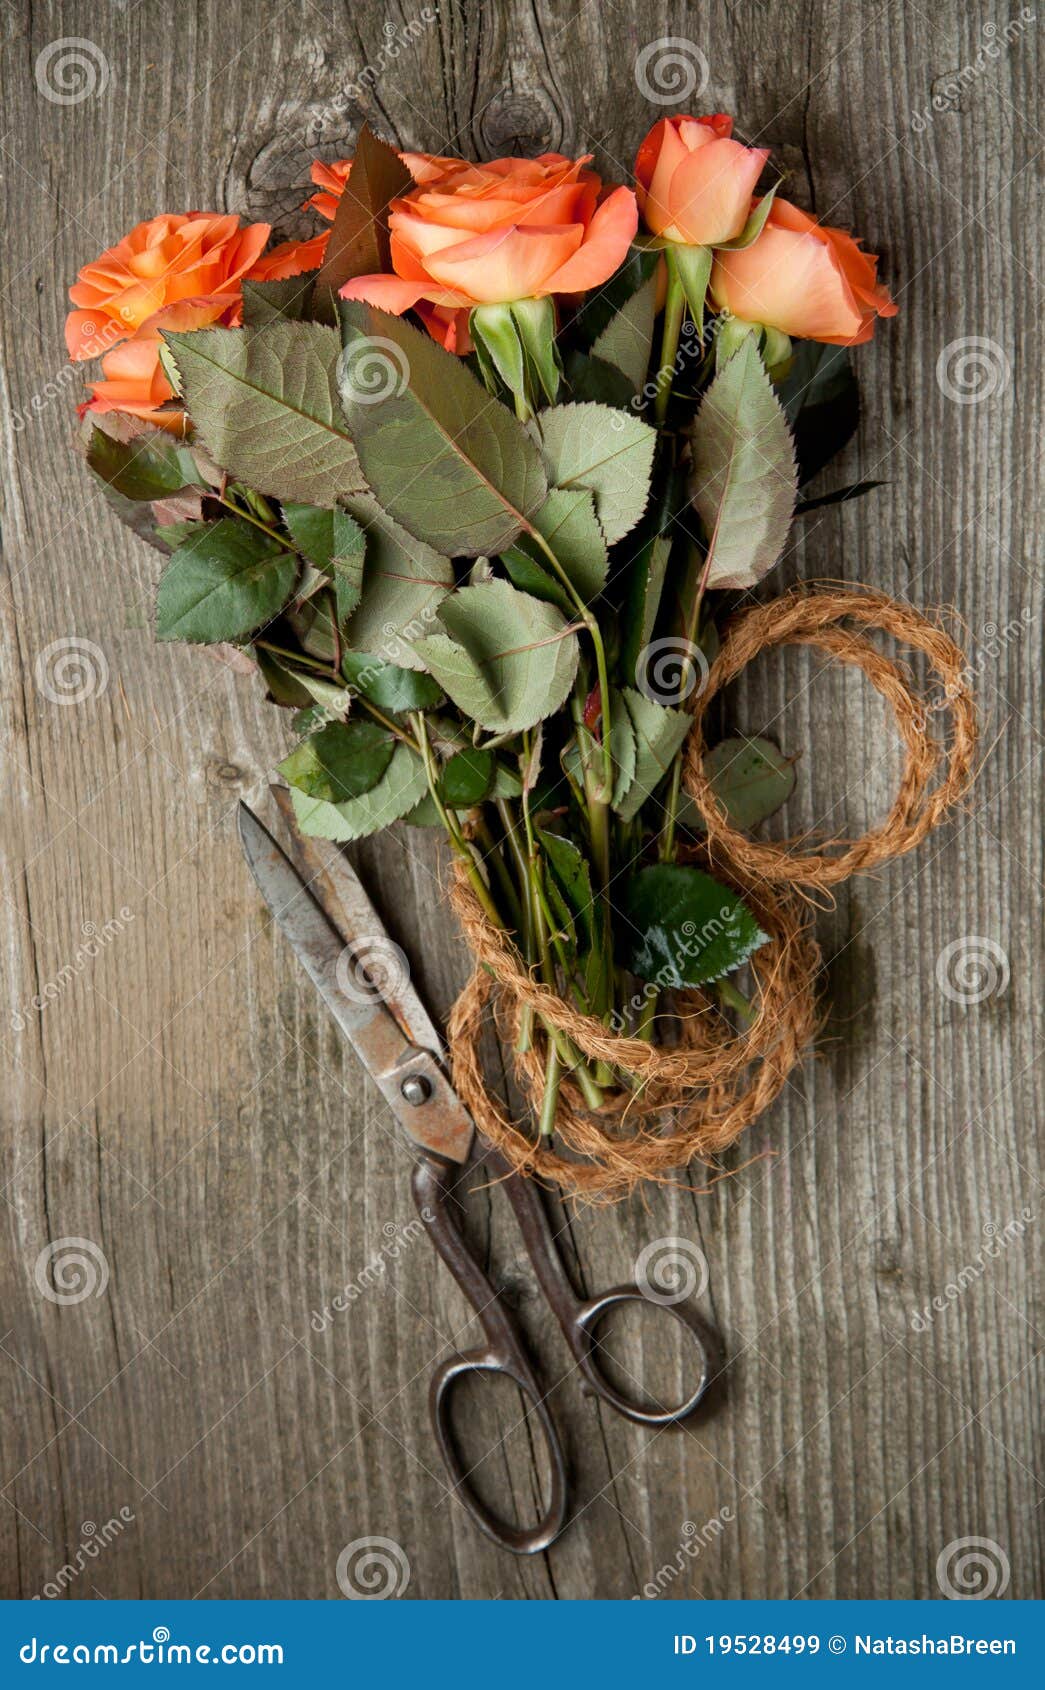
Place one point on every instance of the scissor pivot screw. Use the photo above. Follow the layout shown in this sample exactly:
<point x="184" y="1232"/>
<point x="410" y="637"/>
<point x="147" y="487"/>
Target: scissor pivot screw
<point x="416" y="1088"/>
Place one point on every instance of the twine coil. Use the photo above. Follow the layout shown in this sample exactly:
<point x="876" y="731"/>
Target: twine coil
<point x="694" y="1098"/>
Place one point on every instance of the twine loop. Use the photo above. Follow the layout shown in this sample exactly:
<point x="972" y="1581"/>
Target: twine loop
<point x="693" y="1098"/>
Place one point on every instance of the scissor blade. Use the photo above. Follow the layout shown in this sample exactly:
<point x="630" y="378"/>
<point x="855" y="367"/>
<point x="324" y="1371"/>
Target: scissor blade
<point x="439" y="1123"/>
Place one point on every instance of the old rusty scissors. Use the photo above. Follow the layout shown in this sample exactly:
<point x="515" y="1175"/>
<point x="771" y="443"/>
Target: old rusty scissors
<point x="329" y="921"/>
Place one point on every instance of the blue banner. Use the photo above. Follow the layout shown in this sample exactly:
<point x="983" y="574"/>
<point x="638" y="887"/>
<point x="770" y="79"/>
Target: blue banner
<point x="524" y="1645"/>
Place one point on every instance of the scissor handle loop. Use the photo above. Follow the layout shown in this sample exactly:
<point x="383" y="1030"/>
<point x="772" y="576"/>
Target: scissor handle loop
<point x="504" y="1354"/>
<point x="519" y="1539"/>
<point x="587" y="1349"/>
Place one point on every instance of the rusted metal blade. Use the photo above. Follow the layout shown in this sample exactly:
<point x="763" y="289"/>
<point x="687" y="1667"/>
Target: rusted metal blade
<point x="408" y="1075"/>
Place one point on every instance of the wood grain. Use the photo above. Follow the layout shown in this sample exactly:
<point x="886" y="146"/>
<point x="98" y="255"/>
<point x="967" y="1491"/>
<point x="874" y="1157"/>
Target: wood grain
<point x="180" y="1104"/>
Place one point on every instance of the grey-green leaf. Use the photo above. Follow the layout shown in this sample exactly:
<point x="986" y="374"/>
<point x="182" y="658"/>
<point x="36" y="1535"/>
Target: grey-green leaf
<point x="334" y="541"/>
<point x="389" y="686"/>
<point x="606" y="451"/>
<point x="659" y="732"/>
<point x="627" y="340"/>
<point x="466" y="778"/>
<point x="404" y="581"/>
<point x="568" y="523"/>
<point x="744" y="478"/>
<point x="751" y="778"/>
<point x="400" y="789"/>
<point x="342" y="761"/>
<point x="151" y="466"/>
<point x="445" y="459"/>
<point x="265" y="403"/>
<point x="682" y="928"/>
<point x="224" y="582"/>
<point x="507" y="660"/>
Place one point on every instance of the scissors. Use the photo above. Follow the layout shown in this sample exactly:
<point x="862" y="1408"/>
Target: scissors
<point x="328" y="918"/>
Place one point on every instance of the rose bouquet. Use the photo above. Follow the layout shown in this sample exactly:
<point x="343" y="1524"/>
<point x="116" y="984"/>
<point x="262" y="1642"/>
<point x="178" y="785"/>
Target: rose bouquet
<point x="461" y="475"/>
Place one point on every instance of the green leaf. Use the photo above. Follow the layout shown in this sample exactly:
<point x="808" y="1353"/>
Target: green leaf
<point x="627" y="340"/>
<point x="359" y="243"/>
<point x="592" y="379"/>
<point x="568" y="522"/>
<point x="506" y="659"/>
<point x="743" y="476"/>
<point x="645" y="584"/>
<point x="607" y="452"/>
<point x="467" y="778"/>
<point x="623" y="747"/>
<point x="151" y="466"/>
<point x="534" y="578"/>
<point x="840" y="496"/>
<point x="822" y="401"/>
<point x="283" y="684"/>
<point x="571" y="870"/>
<point x="659" y="732"/>
<point x="341" y="761"/>
<point x="400" y="789"/>
<point x="751" y="778"/>
<point x="265" y="402"/>
<point x="602" y="304"/>
<point x="335" y="543"/>
<point x="391" y="688"/>
<point x="754" y="225"/>
<point x="224" y="582"/>
<point x="287" y="300"/>
<point x="444" y="458"/>
<point x="404" y="581"/>
<point x="682" y="928"/>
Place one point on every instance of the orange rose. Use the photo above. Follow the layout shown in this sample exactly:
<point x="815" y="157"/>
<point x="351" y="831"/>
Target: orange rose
<point x="160" y="263"/>
<point x="486" y="234"/>
<point x="134" y="381"/>
<point x="694" y="184"/>
<point x="804" y="279"/>
<point x="290" y="258"/>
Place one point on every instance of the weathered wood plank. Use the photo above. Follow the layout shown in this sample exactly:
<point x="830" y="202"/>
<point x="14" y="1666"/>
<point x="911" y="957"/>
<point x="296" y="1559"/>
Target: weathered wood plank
<point x="180" y="1103"/>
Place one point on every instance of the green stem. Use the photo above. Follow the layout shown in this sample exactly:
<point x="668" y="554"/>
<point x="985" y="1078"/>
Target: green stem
<point x="266" y="528"/>
<point x="550" y="1100"/>
<point x="595" y="635"/>
<point x="692" y="622"/>
<point x="457" y="840"/>
<point x="674" y="310"/>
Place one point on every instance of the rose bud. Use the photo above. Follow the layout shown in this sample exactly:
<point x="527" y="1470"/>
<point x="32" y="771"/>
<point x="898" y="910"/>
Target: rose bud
<point x="803" y="278"/>
<point x="694" y="184"/>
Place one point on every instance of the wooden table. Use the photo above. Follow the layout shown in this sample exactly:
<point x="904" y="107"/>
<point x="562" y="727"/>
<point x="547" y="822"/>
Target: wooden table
<point x="179" y="1104"/>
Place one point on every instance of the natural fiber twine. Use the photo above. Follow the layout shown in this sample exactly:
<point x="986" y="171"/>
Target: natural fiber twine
<point x="694" y="1098"/>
